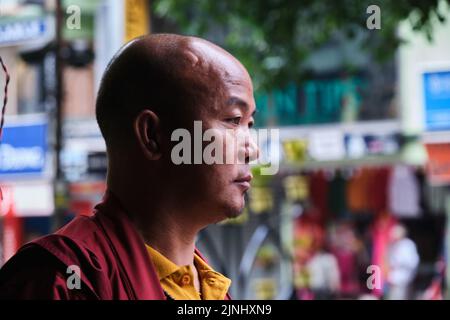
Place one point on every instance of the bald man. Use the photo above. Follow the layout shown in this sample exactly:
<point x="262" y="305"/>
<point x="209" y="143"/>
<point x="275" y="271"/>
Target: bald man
<point x="140" y="241"/>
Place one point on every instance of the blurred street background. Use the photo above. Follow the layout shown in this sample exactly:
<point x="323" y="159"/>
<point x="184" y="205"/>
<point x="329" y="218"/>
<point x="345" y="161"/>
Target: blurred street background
<point x="360" y="91"/>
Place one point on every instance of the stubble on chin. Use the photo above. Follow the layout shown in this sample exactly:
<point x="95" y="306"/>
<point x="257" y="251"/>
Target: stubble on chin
<point x="236" y="210"/>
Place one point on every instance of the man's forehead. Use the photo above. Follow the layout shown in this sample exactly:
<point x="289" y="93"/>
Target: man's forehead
<point x="221" y="60"/>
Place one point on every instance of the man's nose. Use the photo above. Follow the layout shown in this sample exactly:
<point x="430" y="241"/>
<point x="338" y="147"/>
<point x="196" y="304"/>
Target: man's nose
<point x="251" y="150"/>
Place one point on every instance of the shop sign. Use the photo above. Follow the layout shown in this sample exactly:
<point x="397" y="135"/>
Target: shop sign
<point x="18" y="31"/>
<point x="314" y="101"/>
<point x="23" y="149"/>
<point x="436" y="94"/>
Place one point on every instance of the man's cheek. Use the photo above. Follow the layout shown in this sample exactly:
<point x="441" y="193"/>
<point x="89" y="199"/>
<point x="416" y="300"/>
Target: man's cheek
<point x="230" y="147"/>
<point x="213" y="147"/>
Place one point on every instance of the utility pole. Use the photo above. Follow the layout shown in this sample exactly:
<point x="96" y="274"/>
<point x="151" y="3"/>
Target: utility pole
<point x="59" y="185"/>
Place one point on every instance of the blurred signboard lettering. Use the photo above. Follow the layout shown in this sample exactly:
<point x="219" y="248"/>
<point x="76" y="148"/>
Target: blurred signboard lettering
<point x="436" y="94"/>
<point x="23" y="149"/>
<point x="315" y="101"/>
<point x="19" y="31"/>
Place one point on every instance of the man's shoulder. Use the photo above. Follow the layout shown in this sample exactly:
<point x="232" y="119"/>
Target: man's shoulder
<point x="81" y="237"/>
<point x="81" y="228"/>
<point x="34" y="273"/>
<point x="49" y="260"/>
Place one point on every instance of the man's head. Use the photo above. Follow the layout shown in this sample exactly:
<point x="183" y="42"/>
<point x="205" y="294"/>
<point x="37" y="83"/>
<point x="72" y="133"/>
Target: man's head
<point x="159" y="83"/>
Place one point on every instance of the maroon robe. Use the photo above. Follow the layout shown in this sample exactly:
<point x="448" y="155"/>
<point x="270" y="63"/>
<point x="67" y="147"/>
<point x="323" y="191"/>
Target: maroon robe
<point x="112" y="258"/>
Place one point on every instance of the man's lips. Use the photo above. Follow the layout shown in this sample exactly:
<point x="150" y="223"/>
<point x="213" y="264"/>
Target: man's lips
<point x="244" y="181"/>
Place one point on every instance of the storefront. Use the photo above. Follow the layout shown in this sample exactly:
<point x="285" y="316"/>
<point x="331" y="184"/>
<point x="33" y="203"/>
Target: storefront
<point x="25" y="172"/>
<point x="26" y="32"/>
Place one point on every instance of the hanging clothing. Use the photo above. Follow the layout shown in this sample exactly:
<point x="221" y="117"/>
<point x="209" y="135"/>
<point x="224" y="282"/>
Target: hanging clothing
<point x="358" y="190"/>
<point x="378" y="190"/>
<point x="318" y="190"/>
<point x="337" y="201"/>
<point x="404" y="192"/>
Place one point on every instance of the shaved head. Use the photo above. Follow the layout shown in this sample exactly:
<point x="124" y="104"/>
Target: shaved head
<point x="156" y="85"/>
<point x="174" y="76"/>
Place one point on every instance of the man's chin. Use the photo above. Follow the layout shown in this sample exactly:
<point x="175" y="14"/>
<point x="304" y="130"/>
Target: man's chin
<point x="230" y="209"/>
<point x="233" y="215"/>
<point x="235" y="211"/>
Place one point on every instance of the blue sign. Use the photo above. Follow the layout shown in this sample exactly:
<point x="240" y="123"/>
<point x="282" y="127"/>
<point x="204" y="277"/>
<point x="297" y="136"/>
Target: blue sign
<point x="437" y="100"/>
<point x="23" y="149"/>
<point x="23" y="30"/>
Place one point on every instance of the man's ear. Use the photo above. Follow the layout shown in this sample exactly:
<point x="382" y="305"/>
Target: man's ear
<point x="148" y="132"/>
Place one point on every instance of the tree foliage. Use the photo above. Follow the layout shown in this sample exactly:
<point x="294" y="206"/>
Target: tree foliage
<point x="273" y="38"/>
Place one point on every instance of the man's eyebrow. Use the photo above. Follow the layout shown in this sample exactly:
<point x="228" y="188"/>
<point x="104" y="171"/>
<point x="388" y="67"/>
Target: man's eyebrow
<point x="239" y="102"/>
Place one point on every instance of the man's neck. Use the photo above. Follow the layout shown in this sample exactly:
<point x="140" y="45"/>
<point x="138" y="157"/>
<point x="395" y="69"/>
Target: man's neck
<point x="163" y="228"/>
<point x="163" y="225"/>
<point x="163" y="232"/>
<point x="174" y="241"/>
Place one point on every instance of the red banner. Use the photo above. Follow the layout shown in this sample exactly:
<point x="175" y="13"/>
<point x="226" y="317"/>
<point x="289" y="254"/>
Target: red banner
<point x="438" y="167"/>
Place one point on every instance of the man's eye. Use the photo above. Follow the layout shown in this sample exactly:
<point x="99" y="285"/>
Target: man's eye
<point x="235" y="120"/>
